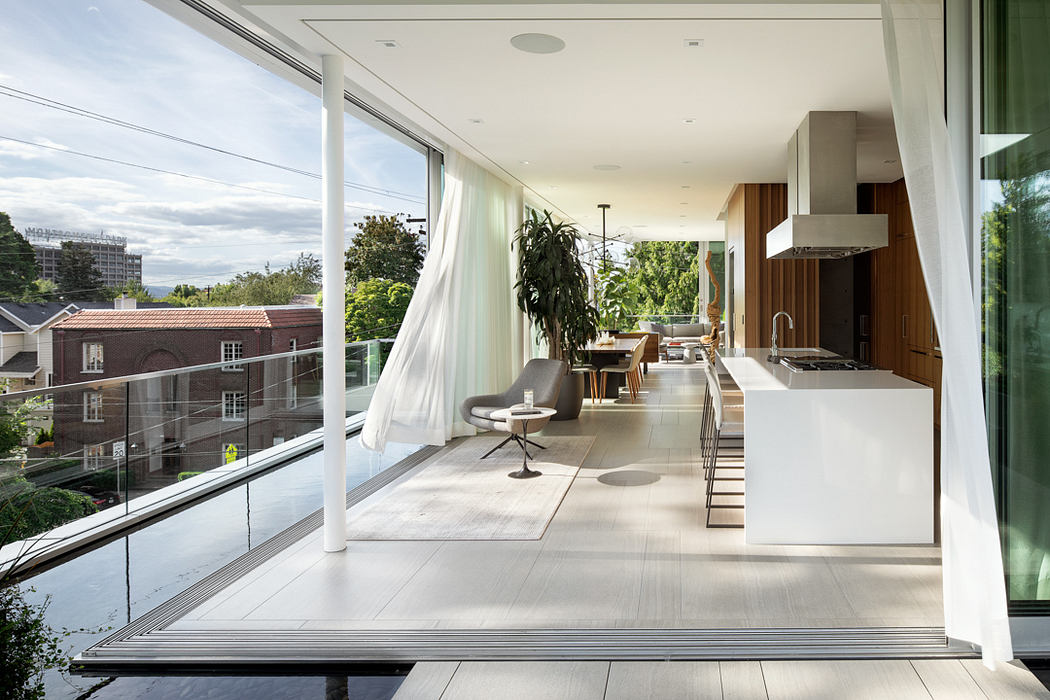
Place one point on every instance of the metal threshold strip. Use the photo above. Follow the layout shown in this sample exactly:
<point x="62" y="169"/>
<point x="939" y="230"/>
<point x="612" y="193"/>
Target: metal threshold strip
<point x="148" y="643"/>
<point x="273" y="649"/>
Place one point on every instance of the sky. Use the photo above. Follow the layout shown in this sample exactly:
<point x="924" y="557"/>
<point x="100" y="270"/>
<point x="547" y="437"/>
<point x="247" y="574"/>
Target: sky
<point x="127" y="61"/>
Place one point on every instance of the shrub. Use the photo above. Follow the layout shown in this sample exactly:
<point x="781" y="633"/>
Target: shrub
<point x="186" y="475"/>
<point x="28" y="511"/>
<point x="30" y="646"/>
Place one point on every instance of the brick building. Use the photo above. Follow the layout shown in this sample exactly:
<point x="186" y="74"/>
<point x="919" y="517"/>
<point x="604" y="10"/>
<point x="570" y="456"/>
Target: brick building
<point x="189" y="421"/>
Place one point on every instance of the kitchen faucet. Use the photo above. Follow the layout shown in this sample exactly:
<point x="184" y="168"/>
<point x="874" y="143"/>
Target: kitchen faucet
<point x="773" y="357"/>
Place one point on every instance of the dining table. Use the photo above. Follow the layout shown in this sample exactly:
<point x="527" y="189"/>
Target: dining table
<point x="603" y="355"/>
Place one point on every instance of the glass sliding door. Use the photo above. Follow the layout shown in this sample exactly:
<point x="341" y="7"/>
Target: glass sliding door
<point x="1015" y="249"/>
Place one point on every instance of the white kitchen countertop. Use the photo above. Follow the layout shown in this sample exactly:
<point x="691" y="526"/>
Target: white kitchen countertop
<point x="752" y="372"/>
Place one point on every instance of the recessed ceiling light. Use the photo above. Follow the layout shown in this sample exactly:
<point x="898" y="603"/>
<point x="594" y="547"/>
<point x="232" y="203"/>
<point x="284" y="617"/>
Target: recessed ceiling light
<point x="388" y="43"/>
<point x="683" y="203"/>
<point x="554" y="187"/>
<point x="640" y="226"/>
<point x="476" y="121"/>
<point x="606" y="166"/>
<point x="686" y="162"/>
<point x="524" y="162"/>
<point x="693" y="43"/>
<point x="685" y="187"/>
<point x="891" y="161"/>
<point x="688" y="120"/>
<point x="681" y="216"/>
<point x="537" y="43"/>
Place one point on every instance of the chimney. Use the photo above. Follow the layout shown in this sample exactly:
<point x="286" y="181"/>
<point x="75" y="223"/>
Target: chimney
<point x="124" y="302"/>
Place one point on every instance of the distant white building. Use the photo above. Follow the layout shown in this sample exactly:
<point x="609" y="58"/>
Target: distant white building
<point x="112" y="260"/>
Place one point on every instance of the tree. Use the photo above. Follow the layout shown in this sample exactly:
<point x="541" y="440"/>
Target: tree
<point x="77" y="276"/>
<point x="616" y="297"/>
<point x="666" y="275"/>
<point x="384" y="249"/>
<point x="269" y="287"/>
<point x="376" y="308"/>
<point x="19" y="268"/>
<point x="131" y="288"/>
<point x="39" y="290"/>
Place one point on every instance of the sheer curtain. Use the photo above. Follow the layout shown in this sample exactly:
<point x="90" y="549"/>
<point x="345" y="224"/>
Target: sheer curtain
<point x="974" y="587"/>
<point x="462" y="332"/>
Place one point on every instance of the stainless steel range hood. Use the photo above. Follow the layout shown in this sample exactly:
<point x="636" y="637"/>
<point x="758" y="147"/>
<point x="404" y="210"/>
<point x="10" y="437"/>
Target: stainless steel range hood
<point x="822" y="217"/>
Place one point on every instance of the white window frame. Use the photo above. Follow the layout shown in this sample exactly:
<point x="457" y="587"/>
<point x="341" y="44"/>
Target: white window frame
<point x="230" y="350"/>
<point x="93" y="457"/>
<point x="293" y="346"/>
<point x="94" y="361"/>
<point x="93" y="407"/>
<point x="293" y="395"/>
<point x="230" y="403"/>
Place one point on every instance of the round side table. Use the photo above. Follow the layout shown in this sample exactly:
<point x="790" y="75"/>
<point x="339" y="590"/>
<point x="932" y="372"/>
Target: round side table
<point x="508" y="415"/>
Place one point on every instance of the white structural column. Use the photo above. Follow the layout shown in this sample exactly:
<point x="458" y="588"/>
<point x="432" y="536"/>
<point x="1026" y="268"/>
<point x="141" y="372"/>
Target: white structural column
<point x="333" y="312"/>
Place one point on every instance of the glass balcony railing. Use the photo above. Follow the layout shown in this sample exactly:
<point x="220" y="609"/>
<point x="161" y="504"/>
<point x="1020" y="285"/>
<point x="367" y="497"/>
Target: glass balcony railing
<point x="70" y="451"/>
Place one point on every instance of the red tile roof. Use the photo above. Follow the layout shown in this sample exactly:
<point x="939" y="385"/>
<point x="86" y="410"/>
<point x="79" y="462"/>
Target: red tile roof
<point x="244" y="317"/>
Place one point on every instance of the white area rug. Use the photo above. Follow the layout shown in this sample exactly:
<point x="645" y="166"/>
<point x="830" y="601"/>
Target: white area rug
<point x="460" y="496"/>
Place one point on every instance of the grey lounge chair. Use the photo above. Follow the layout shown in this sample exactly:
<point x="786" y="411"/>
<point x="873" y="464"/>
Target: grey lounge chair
<point x="542" y="376"/>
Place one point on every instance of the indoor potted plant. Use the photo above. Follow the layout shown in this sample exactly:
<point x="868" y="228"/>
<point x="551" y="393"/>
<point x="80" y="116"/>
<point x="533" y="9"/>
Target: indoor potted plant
<point x="553" y="292"/>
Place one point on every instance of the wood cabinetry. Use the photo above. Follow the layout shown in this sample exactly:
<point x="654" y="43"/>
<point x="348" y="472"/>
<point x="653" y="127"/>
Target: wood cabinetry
<point x="761" y="287"/>
<point x="904" y="337"/>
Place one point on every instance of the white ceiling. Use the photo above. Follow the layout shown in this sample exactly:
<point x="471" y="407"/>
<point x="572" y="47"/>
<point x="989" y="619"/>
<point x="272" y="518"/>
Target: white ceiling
<point x="617" y="94"/>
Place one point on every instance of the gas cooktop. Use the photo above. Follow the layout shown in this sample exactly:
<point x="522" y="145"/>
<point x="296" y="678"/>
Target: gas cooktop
<point x="811" y="363"/>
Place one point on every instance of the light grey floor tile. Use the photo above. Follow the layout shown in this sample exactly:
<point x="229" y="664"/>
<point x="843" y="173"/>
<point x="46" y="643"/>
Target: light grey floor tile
<point x="671" y="680"/>
<point x="582" y="680"/>
<point x="427" y="680"/>
<point x="836" y="680"/>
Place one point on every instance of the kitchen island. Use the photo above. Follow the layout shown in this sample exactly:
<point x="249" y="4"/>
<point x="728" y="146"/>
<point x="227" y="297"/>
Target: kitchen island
<point x="833" y="457"/>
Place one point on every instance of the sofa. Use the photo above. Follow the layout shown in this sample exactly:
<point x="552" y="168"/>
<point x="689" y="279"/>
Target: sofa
<point x="676" y="332"/>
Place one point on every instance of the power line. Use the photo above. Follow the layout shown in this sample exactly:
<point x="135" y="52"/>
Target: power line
<point x="184" y="175"/>
<point x="7" y="91"/>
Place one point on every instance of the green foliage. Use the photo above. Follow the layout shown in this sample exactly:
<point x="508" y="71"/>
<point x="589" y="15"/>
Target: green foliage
<point x="553" y="286"/>
<point x="267" y="288"/>
<point x="77" y="276"/>
<point x="19" y="268"/>
<point x="14" y="423"/>
<point x="30" y="645"/>
<point x="384" y="248"/>
<point x="666" y="276"/>
<point x="39" y="290"/>
<point x="45" y="435"/>
<point x="186" y="475"/>
<point x="29" y="510"/>
<point x="376" y="308"/>
<point x="131" y="288"/>
<point x="616" y="297"/>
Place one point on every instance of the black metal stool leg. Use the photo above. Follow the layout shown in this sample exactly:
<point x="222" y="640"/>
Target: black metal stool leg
<point x="512" y="436"/>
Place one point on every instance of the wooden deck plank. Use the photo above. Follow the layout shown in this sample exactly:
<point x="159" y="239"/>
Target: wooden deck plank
<point x="742" y="680"/>
<point x="835" y="680"/>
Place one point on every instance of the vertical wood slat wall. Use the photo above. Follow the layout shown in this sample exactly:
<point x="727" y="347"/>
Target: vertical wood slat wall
<point x="903" y="334"/>
<point x="769" y="286"/>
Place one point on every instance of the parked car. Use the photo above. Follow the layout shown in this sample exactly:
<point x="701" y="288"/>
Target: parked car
<point x="100" y="497"/>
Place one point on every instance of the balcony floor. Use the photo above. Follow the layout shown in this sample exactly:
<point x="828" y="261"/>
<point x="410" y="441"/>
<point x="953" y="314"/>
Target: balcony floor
<point x="629" y="565"/>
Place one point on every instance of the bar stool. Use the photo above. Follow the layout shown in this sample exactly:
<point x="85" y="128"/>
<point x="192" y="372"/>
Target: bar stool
<point x="725" y="422"/>
<point x="731" y="397"/>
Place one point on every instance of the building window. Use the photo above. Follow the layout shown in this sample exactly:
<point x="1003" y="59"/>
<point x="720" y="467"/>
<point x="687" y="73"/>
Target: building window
<point x="293" y="396"/>
<point x="293" y="345"/>
<point x="232" y="350"/>
<point x="92" y="406"/>
<point x="234" y="405"/>
<point x="93" y="456"/>
<point x="93" y="357"/>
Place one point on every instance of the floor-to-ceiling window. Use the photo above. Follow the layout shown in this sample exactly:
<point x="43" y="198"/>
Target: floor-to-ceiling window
<point x="1015" y="250"/>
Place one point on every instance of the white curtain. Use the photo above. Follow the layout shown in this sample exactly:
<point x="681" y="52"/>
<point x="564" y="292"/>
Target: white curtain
<point x="462" y="332"/>
<point x="974" y="588"/>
